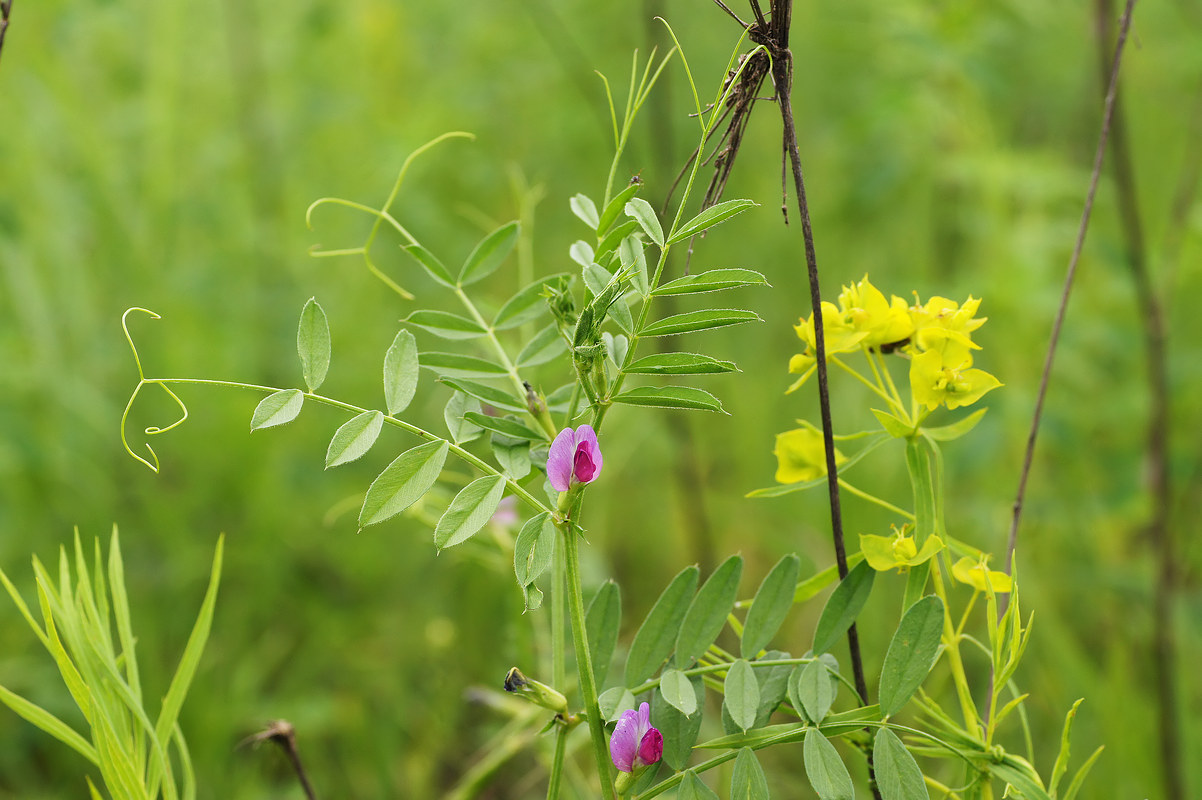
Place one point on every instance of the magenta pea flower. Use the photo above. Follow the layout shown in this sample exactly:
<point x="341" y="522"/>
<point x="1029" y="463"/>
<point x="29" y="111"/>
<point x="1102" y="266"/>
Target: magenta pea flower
<point x="634" y="742"/>
<point x="575" y="457"/>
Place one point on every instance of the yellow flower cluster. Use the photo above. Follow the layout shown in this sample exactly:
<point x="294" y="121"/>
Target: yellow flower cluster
<point x="935" y="336"/>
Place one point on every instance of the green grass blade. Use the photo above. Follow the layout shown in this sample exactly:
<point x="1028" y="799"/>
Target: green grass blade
<point x="43" y="719"/>
<point x="121" y="614"/>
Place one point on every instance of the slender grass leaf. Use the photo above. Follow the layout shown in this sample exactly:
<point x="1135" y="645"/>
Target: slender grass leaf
<point x="741" y="692"/>
<point x="693" y="788"/>
<point x="708" y="319"/>
<point x="48" y="723"/>
<point x="825" y="769"/>
<point x="898" y="776"/>
<point x="772" y="602"/>
<point x="173" y="701"/>
<point x="679" y="364"/>
<point x="653" y="642"/>
<point x="313" y="344"/>
<point x="534" y="549"/>
<point x="710" y="217"/>
<point x="632" y="255"/>
<point x="445" y="324"/>
<point x="843" y="606"/>
<point x="497" y="398"/>
<point x="277" y="408"/>
<point x="677" y="689"/>
<point x="506" y="426"/>
<point x="584" y="208"/>
<point x="400" y="373"/>
<point x="911" y="653"/>
<point x="492" y="250"/>
<point x="747" y="781"/>
<point x="616" y="205"/>
<point x="403" y="482"/>
<point x="120" y="607"/>
<point x="470" y="509"/>
<point x="685" y="397"/>
<point x="708" y="611"/>
<point x="642" y="212"/>
<point x="1066" y="739"/>
<point x="430" y="263"/>
<point x="1079" y="778"/>
<point x="528" y="303"/>
<point x="1020" y="776"/>
<point x="546" y="345"/>
<point x="614" y="701"/>
<point x="601" y="622"/>
<point x="714" y="280"/>
<point x="457" y="365"/>
<point x="814" y="690"/>
<point x="354" y="438"/>
<point x="679" y="730"/>
<point x="457" y="425"/>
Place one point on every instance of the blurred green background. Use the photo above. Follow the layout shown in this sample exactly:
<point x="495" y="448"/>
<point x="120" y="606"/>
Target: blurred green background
<point x="162" y="155"/>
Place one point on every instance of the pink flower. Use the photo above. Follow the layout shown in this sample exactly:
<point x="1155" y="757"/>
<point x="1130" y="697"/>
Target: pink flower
<point x="634" y="742"/>
<point x="575" y="457"/>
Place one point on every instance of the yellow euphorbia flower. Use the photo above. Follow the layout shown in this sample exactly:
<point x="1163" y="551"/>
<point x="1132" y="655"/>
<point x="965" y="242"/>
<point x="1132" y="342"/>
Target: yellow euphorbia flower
<point x="883" y="321"/>
<point x="934" y="381"/>
<point x="899" y="551"/>
<point x="940" y="312"/>
<point x="975" y="574"/>
<point x="800" y="455"/>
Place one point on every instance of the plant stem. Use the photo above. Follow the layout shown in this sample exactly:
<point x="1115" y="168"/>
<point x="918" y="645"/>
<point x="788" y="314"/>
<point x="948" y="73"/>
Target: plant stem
<point x="558" y="657"/>
<point x="584" y="661"/>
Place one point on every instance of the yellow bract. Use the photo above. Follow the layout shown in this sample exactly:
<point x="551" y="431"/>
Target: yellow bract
<point x="800" y="455"/>
<point x="975" y="574"/>
<point x="899" y="551"/>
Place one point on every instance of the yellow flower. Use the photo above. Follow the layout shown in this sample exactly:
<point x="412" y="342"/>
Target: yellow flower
<point x="898" y="551"/>
<point x="800" y="455"/>
<point x="939" y="312"/>
<point x="975" y="574"/>
<point x="934" y="381"/>
<point x="882" y="321"/>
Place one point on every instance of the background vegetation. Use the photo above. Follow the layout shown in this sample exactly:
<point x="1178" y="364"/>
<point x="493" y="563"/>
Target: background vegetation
<point x="162" y="155"/>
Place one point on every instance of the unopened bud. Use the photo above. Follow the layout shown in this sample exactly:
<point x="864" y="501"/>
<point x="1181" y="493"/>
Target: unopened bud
<point x="538" y="693"/>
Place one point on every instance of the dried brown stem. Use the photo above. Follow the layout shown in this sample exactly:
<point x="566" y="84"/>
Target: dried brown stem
<point x="282" y="733"/>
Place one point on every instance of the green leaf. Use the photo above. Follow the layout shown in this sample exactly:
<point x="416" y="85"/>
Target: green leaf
<point x="468" y="512"/>
<point x="445" y="324"/>
<point x="747" y="781"/>
<point x="582" y="253"/>
<point x="679" y="730"/>
<point x="710" y="217"/>
<point x="947" y="433"/>
<point x="584" y="208"/>
<point x="506" y="426"/>
<point x="874" y="441"/>
<point x="642" y="212"/>
<point x="825" y="769"/>
<point x="699" y="321"/>
<point x="653" y="643"/>
<point x="615" y="206"/>
<point x="741" y="693"/>
<point x="601" y="621"/>
<point x="619" y="312"/>
<point x="528" y="303"/>
<point x="708" y="611"/>
<point x="677" y="689"/>
<point x="613" y="701"/>
<point x="400" y="373"/>
<point x="774" y="685"/>
<point x="313" y="344"/>
<point x="616" y="347"/>
<point x="546" y="345"/>
<point x="277" y="408"/>
<point x="911" y="654"/>
<point x="843" y="607"/>
<point x="457" y="425"/>
<point x="1066" y="739"/>
<point x="47" y="722"/>
<point x="492" y="250"/>
<point x="354" y="438"/>
<point x="596" y="277"/>
<point x="892" y="425"/>
<point x="670" y="397"/>
<point x="814" y="690"/>
<point x="534" y="548"/>
<point x="632" y="256"/>
<point x="693" y="788"/>
<point x="512" y="455"/>
<point x="403" y="482"/>
<point x="498" y="398"/>
<point x="772" y="602"/>
<point x="714" y="280"/>
<point x="457" y="365"/>
<point x="897" y="774"/>
<point x="679" y="364"/>
<point x="430" y="263"/>
<point x="612" y="241"/>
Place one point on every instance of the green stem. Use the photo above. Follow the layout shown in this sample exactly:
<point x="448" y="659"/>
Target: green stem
<point x="584" y="661"/>
<point x="558" y="658"/>
<point x="885" y="504"/>
<point x="561" y="736"/>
